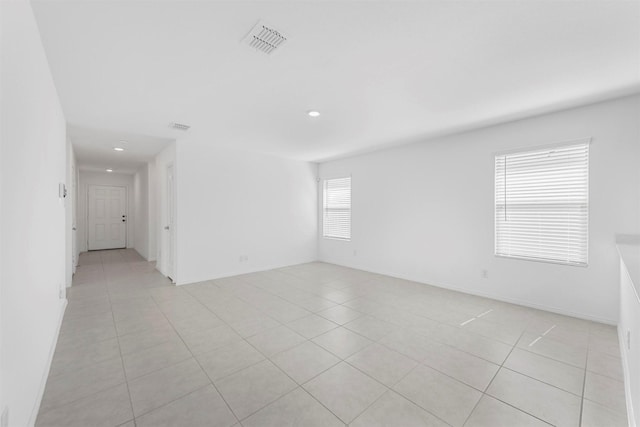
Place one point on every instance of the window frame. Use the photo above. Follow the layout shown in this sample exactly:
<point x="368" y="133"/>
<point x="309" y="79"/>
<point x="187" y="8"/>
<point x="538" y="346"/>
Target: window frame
<point x="532" y="149"/>
<point x="323" y="208"/>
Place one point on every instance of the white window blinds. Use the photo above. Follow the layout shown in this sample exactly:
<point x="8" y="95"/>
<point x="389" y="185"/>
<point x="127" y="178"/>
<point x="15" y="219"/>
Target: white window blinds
<point x="542" y="204"/>
<point x="336" y="216"/>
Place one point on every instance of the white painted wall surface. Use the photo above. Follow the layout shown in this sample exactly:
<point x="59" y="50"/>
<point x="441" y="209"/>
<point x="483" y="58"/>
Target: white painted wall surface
<point x="163" y="159"/>
<point x="33" y="227"/>
<point x="141" y="211"/>
<point x="99" y="178"/>
<point x="425" y="211"/>
<point x="233" y="203"/>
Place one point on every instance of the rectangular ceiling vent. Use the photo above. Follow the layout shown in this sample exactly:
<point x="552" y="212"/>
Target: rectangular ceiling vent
<point x="179" y="126"/>
<point x="264" y="38"/>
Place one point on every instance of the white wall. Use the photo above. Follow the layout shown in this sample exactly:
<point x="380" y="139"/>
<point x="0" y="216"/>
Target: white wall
<point x="141" y="211"/>
<point x="103" y="178"/>
<point x="162" y="160"/>
<point x="233" y="203"/>
<point x="425" y="211"/>
<point x="33" y="228"/>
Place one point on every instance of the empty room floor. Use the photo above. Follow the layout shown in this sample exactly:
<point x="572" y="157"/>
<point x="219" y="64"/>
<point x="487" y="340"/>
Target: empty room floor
<point x="318" y="345"/>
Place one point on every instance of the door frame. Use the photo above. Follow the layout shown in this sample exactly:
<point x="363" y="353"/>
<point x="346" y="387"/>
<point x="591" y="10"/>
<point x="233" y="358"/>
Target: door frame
<point x="170" y="187"/>
<point x="126" y="212"/>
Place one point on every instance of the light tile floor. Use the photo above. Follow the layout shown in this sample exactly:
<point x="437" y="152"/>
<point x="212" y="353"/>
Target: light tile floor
<point x="318" y="345"/>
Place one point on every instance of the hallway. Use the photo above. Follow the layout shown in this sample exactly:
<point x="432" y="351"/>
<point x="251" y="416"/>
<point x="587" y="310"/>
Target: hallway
<point x="110" y="315"/>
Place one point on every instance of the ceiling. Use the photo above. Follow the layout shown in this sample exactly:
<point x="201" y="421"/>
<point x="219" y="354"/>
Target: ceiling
<point x="380" y="73"/>
<point x="95" y="152"/>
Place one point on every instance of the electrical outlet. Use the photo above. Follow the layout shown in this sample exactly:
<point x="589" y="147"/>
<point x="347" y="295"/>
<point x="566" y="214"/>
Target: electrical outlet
<point x="484" y="274"/>
<point x="4" y="420"/>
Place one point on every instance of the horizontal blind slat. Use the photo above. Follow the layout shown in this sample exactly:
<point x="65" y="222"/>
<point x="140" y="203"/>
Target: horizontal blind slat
<point x="336" y="218"/>
<point x="541" y="204"/>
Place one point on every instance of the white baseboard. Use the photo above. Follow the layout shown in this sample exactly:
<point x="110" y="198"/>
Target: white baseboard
<point x="491" y="296"/>
<point x="251" y="270"/>
<point x="45" y="374"/>
<point x="532" y="305"/>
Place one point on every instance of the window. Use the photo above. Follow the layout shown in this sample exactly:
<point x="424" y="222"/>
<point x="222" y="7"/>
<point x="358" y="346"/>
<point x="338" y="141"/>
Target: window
<point x="542" y="204"/>
<point x="336" y="215"/>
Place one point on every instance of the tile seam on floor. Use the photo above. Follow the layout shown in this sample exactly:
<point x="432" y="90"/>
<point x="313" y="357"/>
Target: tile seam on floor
<point x="199" y="365"/>
<point x="507" y="403"/>
<point x="268" y="359"/>
<point x="246" y="300"/>
<point x="543" y="382"/>
<point x="91" y="394"/>
<point x="292" y="379"/>
<point x="484" y="392"/>
<point x="124" y="371"/>
<point x="391" y="389"/>
<point x="412" y="401"/>
<point x="584" y="382"/>
<point x="550" y="358"/>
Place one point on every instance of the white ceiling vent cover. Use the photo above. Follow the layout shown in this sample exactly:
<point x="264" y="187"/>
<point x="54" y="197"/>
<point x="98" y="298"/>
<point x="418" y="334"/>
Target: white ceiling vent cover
<point x="264" y="38"/>
<point x="179" y="126"/>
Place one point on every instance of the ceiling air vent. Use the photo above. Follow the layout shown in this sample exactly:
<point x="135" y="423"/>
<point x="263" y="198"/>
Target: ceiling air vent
<point x="179" y="126"/>
<point x="264" y="38"/>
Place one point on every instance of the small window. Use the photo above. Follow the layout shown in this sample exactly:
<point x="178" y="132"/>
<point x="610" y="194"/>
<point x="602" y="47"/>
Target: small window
<point x="542" y="204"/>
<point x="336" y="215"/>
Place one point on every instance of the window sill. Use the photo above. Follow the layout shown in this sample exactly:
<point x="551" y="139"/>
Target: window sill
<point x="545" y="261"/>
<point x="340" y="239"/>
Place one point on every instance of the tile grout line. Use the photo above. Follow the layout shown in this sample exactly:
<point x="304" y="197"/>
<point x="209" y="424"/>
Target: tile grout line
<point x="392" y="306"/>
<point x="391" y="389"/>
<point x="484" y="393"/>
<point x="124" y="371"/>
<point x="267" y="358"/>
<point x="196" y="360"/>
<point x="301" y="386"/>
<point x="584" y="380"/>
<point x="108" y="388"/>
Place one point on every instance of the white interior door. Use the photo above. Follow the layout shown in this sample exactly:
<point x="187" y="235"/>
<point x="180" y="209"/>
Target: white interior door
<point x="107" y="217"/>
<point x="170" y="228"/>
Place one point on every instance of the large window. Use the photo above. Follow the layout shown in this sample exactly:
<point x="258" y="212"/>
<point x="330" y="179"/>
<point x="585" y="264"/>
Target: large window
<point x="542" y="204"/>
<point x="336" y="208"/>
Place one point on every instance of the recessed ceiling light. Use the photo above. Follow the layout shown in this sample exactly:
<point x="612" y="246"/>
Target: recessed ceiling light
<point x="313" y="113"/>
<point x="118" y="148"/>
<point x="109" y="170"/>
